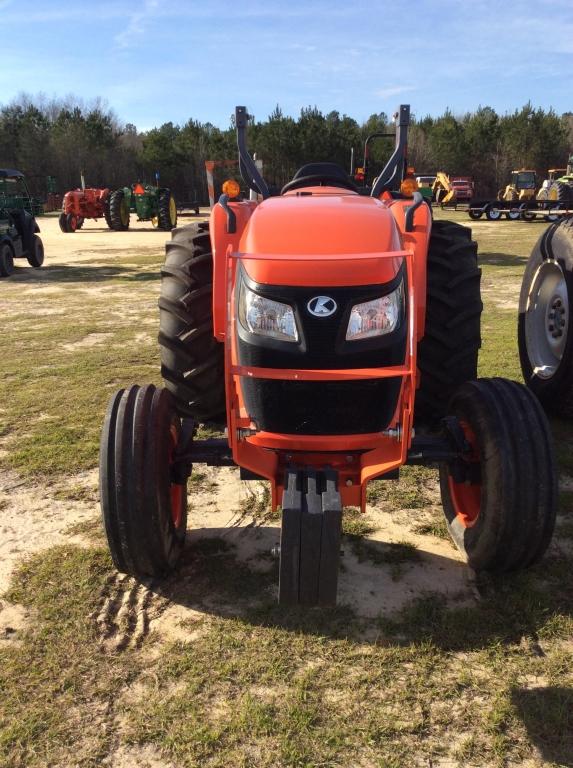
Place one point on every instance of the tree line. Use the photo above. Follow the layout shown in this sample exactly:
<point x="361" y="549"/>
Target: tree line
<point x="64" y="137"/>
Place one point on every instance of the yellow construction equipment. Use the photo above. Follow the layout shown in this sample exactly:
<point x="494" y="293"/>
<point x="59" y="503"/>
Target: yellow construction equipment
<point x="442" y="189"/>
<point x="521" y="187"/>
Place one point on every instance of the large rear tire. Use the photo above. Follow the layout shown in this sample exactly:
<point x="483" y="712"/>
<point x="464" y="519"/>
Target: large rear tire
<point x="192" y="361"/>
<point x="118" y="211"/>
<point x="500" y="501"/>
<point x="144" y="505"/>
<point x="167" y="218"/>
<point x="560" y="192"/>
<point x="448" y="353"/>
<point x="545" y="326"/>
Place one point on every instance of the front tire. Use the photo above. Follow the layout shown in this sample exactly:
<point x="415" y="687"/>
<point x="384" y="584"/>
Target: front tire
<point x="545" y="326"/>
<point x="71" y="222"/>
<point x="36" y="255"/>
<point x="448" y="353"/>
<point x="192" y="362"/>
<point x="143" y="503"/>
<point x="6" y="260"/>
<point x="500" y="500"/>
<point x="63" y="222"/>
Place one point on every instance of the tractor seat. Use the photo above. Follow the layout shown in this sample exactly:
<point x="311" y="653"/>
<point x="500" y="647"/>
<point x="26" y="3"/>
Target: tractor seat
<point x="320" y="175"/>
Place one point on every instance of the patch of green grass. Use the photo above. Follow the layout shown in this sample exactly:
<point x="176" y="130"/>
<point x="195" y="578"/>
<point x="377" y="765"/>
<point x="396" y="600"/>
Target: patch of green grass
<point x="201" y="481"/>
<point x="434" y="527"/>
<point x="356" y="524"/>
<point x="411" y="491"/>
<point x="91" y="529"/>
<point x="256" y="503"/>
<point x="56" y="668"/>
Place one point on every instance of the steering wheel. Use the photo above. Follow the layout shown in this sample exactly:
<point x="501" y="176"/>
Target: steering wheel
<point x="316" y="179"/>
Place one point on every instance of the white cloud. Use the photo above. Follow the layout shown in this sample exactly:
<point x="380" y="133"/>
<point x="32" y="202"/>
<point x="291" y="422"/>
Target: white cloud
<point x="394" y="90"/>
<point x="136" y="24"/>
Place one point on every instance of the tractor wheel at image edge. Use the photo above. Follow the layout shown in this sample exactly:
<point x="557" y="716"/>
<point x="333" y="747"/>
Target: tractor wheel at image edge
<point x="167" y="214"/>
<point x="559" y="191"/>
<point x="118" y="211"/>
<point x="192" y="361"/>
<point x="36" y="254"/>
<point x="448" y="353"/>
<point x="500" y="500"/>
<point x="6" y="260"/>
<point x="545" y="325"/>
<point x="143" y="501"/>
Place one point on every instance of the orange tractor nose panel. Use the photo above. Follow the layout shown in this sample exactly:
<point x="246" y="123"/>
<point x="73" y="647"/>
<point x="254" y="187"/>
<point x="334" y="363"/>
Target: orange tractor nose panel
<point x="320" y="226"/>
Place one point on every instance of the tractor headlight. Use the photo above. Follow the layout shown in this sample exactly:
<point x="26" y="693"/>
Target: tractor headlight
<point x="376" y="317"/>
<point x="266" y="317"/>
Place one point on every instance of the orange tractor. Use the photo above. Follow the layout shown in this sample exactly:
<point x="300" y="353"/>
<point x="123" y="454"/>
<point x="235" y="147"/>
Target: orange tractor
<point x="84" y="203"/>
<point x="93" y="203"/>
<point x="336" y="334"/>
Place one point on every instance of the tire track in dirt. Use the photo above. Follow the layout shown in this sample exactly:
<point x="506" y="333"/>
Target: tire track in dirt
<point x="125" y="613"/>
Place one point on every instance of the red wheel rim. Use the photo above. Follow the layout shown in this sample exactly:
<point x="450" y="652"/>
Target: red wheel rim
<point x="466" y="497"/>
<point x="176" y="490"/>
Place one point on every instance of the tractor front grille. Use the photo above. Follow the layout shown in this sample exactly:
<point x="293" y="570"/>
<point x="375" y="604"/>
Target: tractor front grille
<point x="322" y="407"/>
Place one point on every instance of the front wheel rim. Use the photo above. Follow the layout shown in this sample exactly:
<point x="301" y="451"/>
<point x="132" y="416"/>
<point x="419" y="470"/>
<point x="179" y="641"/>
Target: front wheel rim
<point x="176" y="490"/>
<point x="466" y="496"/>
<point x="547" y="320"/>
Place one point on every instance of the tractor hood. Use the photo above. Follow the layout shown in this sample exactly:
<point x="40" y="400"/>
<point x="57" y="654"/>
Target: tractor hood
<point x="308" y="236"/>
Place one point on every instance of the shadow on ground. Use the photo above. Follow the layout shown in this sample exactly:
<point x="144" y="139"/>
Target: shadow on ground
<point x="214" y="577"/>
<point x="547" y="714"/>
<point x="82" y="274"/>
<point x="501" y="259"/>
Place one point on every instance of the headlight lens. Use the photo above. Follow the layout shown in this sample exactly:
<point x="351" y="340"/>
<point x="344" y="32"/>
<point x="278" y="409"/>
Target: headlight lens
<point x="266" y="317"/>
<point x="376" y="317"/>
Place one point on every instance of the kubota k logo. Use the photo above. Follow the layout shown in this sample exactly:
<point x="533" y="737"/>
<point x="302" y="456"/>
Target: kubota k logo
<point x="321" y="306"/>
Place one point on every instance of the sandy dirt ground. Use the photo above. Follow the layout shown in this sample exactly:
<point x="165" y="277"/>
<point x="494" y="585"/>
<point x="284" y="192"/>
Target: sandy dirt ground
<point x="33" y="517"/>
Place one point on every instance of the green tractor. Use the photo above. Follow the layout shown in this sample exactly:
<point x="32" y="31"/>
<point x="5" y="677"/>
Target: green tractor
<point x="14" y="193"/>
<point x="18" y="230"/>
<point x="155" y="204"/>
<point x="561" y="190"/>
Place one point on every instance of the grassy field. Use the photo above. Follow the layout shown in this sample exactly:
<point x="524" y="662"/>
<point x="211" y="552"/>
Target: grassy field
<point x="203" y="669"/>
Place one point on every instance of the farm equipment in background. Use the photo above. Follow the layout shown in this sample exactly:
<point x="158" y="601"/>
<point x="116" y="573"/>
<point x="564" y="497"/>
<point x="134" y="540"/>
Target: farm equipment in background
<point x="442" y="189"/>
<point x="15" y="195"/>
<point x="464" y="187"/>
<point x="561" y="189"/>
<point x="84" y="203"/>
<point x="545" y="327"/>
<point x="552" y="175"/>
<point x="425" y="184"/>
<point x="336" y="335"/>
<point x="18" y="237"/>
<point x="522" y="186"/>
<point x="149" y="203"/>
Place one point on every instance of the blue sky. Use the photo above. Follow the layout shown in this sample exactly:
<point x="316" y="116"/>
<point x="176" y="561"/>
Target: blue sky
<point x="158" y="60"/>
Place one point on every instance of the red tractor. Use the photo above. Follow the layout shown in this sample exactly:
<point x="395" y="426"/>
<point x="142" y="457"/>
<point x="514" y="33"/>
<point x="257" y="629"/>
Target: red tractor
<point x="336" y="335"/>
<point x="85" y="203"/>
